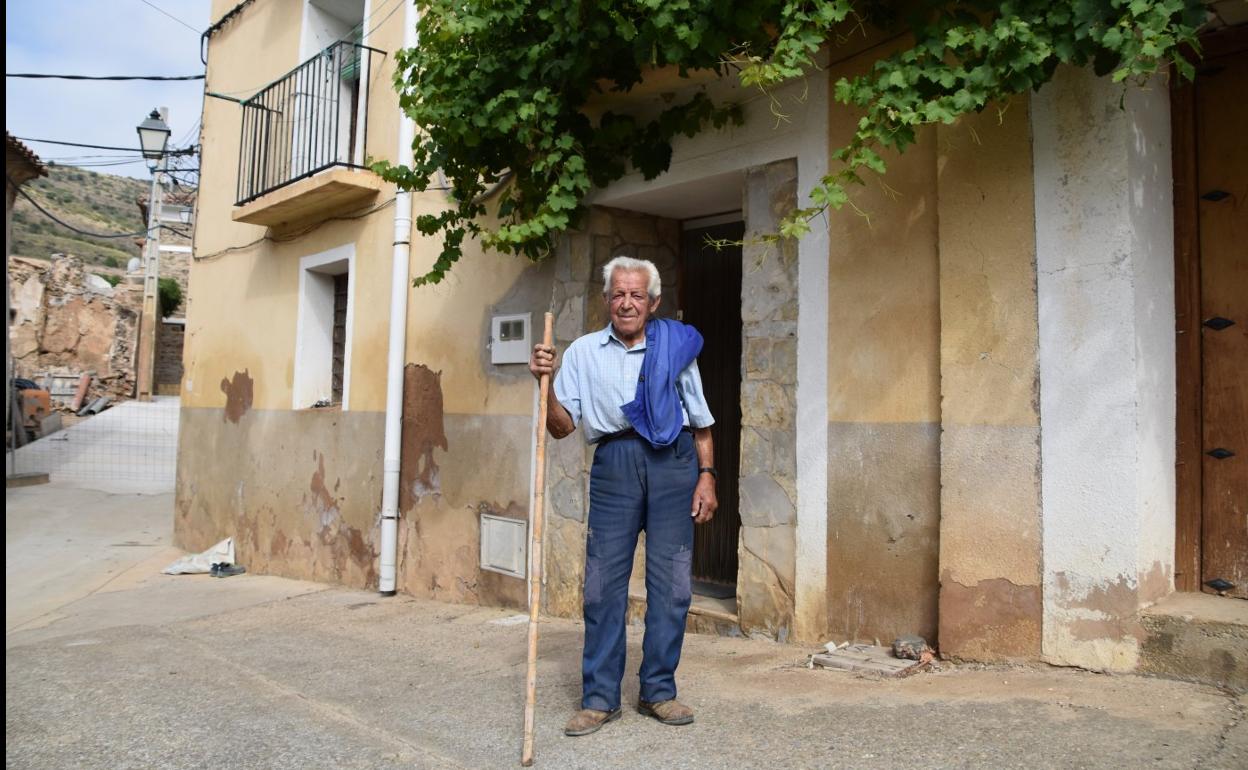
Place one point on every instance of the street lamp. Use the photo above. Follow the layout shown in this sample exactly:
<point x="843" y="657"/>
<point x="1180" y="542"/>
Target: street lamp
<point x="153" y="136"/>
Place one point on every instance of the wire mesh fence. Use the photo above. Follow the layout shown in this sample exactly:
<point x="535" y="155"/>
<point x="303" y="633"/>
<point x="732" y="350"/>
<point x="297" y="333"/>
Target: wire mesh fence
<point x="127" y="447"/>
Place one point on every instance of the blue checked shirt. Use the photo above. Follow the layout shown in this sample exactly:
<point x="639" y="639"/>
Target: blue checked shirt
<point x="599" y="375"/>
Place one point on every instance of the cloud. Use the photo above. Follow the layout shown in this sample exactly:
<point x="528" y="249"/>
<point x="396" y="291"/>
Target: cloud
<point x="118" y="37"/>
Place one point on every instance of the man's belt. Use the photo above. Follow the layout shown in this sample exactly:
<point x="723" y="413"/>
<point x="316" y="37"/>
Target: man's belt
<point x="631" y="433"/>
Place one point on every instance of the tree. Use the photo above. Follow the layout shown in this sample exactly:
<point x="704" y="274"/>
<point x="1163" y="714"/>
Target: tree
<point x="499" y="88"/>
<point x="168" y="296"/>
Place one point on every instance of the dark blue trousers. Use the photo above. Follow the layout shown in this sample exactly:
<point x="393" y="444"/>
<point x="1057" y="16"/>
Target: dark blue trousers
<point x="634" y="487"/>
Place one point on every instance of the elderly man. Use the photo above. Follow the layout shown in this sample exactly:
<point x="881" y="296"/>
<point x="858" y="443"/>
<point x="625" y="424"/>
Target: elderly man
<point x="635" y="389"/>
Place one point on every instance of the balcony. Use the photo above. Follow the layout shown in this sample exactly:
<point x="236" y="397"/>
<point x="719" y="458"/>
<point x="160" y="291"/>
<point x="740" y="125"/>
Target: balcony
<point x="304" y="140"/>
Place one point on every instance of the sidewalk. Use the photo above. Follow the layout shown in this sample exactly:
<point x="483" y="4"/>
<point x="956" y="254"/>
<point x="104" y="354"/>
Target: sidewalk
<point x="138" y="669"/>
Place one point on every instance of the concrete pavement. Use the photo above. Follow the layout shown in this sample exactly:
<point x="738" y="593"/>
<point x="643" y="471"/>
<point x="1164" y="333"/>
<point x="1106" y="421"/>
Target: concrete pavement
<point x="111" y="665"/>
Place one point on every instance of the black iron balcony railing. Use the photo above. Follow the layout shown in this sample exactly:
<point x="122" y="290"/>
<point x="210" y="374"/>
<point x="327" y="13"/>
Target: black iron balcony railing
<point x="313" y="118"/>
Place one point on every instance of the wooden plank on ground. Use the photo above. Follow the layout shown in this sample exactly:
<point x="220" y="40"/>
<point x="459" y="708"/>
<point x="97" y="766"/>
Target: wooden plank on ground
<point x="865" y="658"/>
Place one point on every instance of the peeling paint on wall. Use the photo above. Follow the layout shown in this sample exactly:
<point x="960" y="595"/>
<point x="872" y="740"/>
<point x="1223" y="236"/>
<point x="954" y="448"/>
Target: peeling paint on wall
<point x="423" y="431"/>
<point x="996" y="619"/>
<point x="239" y="393"/>
<point x="323" y="505"/>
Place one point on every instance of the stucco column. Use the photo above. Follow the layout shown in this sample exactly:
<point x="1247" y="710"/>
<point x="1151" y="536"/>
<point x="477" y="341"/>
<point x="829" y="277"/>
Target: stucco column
<point x="990" y="566"/>
<point x="1105" y="283"/>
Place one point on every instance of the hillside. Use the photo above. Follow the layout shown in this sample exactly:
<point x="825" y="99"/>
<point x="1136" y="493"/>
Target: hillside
<point x="88" y="200"/>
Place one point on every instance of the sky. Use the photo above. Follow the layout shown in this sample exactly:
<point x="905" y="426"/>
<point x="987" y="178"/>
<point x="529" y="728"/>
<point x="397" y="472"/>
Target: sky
<point x="102" y="37"/>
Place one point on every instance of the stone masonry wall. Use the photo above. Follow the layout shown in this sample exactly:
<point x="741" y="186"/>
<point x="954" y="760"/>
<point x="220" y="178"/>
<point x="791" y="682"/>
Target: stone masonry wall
<point x="67" y="321"/>
<point x="169" y="340"/>
<point x="768" y="406"/>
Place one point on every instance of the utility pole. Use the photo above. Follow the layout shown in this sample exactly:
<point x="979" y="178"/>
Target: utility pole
<point x="146" y="360"/>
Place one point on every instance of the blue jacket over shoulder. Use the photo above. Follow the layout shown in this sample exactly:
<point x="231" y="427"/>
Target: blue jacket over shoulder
<point x="655" y="410"/>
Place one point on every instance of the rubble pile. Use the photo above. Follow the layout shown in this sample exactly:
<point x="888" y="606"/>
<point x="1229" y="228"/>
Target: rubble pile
<point x="67" y="322"/>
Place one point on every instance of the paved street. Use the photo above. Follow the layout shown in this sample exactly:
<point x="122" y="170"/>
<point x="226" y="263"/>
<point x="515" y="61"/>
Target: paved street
<point x="111" y="665"/>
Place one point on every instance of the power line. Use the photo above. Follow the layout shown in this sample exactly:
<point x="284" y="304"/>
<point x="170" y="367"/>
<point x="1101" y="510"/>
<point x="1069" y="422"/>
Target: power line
<point x="43" y="76"/>
<point x="366" y="212"/>
<point x="383" y="21"/>
<point x="187" y="136"/>
<point x="183" y="151"/>
<point x="94" y="164"/>
<point x="68" y="226"/>
<point x="170" y="15"/>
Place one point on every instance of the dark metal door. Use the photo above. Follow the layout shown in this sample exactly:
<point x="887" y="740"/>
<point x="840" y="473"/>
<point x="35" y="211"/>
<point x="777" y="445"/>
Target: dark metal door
<point x="710" y="289"/>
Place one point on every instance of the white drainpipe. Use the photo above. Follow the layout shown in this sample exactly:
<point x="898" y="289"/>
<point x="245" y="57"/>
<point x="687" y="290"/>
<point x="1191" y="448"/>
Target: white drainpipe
<point x="400" y="283"/>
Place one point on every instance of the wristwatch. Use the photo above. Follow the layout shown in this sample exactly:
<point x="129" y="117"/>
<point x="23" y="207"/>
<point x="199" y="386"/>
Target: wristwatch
<point x="708" y="469"/>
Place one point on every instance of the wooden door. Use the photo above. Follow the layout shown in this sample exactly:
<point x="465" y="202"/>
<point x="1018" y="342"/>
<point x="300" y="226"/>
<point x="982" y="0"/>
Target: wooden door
<point x="710" y="289"/>
<point x="1222" y="189"/>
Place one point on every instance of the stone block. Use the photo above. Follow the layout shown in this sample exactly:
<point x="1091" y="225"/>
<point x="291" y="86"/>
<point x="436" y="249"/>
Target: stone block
<point x="637" y="230"/>
<point x="567" y="499"/>
<point x="764" y="503"/>
<point x="94" y="284"/>
<point x="61" y="333"/>
<point x="600" y="221"/>
<point x="784" y="360"/>
<point x="23" y="341"/>
<point x="580" y="259"/>
<point x="757" y="355"/>
<point x="570" y="318"/>
<point x="604" y="251"/>
<point x="765" y="582"/>
<point x="766" y="404"/>
<point x="564" y="570"/>
<point x="756" y="451"/>
<point x="768" y="291"/>
<point x="27" y="302"/>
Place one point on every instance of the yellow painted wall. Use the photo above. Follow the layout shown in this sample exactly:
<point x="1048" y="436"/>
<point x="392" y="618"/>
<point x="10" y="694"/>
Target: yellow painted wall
<point x="883" y="310"/>
<point x="244" y="305"/>
<point x="988" y="333"/>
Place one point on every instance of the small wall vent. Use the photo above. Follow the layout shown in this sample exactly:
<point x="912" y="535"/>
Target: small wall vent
<point x="504" y="543"/>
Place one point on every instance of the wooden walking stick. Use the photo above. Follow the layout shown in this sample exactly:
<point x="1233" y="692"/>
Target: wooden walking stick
<point x="535" y="556"/>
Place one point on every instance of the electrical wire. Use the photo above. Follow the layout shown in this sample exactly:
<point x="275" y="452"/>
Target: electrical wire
<point x="96" y="164"/>
<point x="170" y="15"/>
<point x="187" y="136"/>
<point x="377" y="26"/>
<point x="297" y="234"/>
<point x="184" y="151"/>
<point x="216" y="27"/>
<point x="80" y="231"/>
<point x="344" y="39"/>
<point x="43" y="76"/>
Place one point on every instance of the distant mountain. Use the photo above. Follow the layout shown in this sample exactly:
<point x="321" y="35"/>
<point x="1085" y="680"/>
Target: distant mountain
<point x="99" y="203"/>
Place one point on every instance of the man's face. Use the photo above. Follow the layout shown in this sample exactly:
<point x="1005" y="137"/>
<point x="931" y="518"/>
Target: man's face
<point x="629" y="303"/>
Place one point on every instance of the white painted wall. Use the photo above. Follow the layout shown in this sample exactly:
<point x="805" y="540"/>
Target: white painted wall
<point x="1105" y="283"/>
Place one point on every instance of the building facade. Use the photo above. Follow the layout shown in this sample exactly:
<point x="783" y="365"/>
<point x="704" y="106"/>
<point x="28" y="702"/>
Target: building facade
<point x="955" y="416"/>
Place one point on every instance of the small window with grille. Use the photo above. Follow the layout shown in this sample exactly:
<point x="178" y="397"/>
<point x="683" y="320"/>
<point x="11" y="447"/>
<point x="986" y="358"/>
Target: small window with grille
<point x="322" y="375"/>
<point x="341" y="283"/>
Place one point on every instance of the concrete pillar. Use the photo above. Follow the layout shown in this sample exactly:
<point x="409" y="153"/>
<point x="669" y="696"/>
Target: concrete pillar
<point x="1105" y="282"/>
<point x="990" y="549"/>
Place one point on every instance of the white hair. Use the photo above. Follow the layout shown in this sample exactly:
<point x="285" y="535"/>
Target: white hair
<point x="653" y="288"/>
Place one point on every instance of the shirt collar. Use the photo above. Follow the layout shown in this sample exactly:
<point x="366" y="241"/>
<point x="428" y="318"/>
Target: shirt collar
<point x="608" y="334"/>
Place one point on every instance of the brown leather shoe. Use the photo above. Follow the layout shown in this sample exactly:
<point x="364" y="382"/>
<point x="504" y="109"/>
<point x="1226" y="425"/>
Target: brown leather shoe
<point x="588" y="721"/>
<point x="669" y="712"/>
